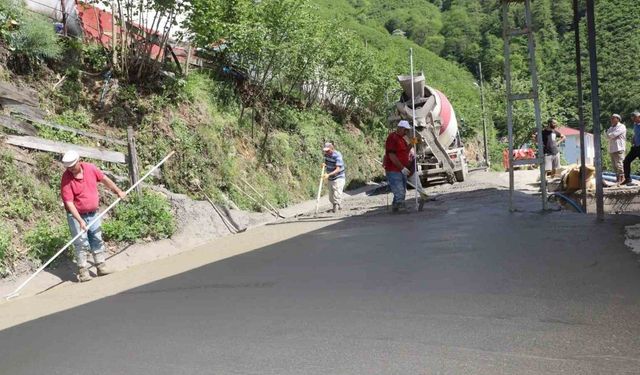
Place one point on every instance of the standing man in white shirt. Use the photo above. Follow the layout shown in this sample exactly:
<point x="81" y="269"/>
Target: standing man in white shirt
<point x="617" y="135"/>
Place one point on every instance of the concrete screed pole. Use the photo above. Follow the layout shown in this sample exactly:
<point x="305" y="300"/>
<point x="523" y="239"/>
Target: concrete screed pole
<point x="413" y="115"/>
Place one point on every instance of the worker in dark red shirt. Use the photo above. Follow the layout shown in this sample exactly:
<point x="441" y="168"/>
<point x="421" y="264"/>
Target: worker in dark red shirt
<point x="396" y="161"/>
<point x="79" y="192"/>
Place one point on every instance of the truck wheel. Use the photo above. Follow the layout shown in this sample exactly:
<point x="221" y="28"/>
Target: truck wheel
<point x="461" y="175"/>
<point x="451" y="177"/>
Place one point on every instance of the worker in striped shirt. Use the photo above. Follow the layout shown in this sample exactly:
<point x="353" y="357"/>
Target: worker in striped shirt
<point x="334" y="173"/>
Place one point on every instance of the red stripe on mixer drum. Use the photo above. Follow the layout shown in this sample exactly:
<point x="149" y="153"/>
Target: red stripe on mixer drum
<point x="445" y="111"/>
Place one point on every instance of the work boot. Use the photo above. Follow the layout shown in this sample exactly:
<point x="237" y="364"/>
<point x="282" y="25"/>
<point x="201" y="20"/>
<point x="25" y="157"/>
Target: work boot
<point x="335" y="208"/>
<point x="103" y="269"/>
<point x="83" y="274"/>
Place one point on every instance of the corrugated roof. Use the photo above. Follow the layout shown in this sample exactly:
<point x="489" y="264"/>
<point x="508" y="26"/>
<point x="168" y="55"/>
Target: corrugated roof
<point x="566" y="131"/>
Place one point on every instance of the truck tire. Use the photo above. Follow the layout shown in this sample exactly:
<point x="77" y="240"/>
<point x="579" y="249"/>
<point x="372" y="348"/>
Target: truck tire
<point x="461" y="175"/>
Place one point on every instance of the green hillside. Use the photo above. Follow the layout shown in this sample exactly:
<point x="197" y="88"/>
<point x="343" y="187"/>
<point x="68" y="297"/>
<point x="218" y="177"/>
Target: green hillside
<point x="468" y="32"/>
<point x="368" y="18"/>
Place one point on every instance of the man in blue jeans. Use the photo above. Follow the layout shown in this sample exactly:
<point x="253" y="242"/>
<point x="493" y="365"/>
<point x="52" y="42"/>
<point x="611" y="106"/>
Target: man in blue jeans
<point x="79" y="192"/>
<point x="396" y="161"/>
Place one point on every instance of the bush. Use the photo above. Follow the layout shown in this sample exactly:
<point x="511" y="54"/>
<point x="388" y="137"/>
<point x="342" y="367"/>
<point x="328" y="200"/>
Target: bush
<point x="16" y="190"/>
<point x="17" y="208"/>
<point x="34" y="40"/>
<point x="79" y="119"/>
<point x="9" y="12"/>
<point x="148" y="215"/>
<point x="45" y="239"/>
<point x="5" y="242"/>
<point x="95" y="57"/>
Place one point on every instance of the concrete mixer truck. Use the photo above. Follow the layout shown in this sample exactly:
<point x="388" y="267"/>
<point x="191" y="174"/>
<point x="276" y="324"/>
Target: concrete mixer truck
<point x="439" y="149"/>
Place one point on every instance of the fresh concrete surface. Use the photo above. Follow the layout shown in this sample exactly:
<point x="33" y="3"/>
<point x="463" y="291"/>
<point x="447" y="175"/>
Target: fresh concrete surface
<point x="464" y="287"/>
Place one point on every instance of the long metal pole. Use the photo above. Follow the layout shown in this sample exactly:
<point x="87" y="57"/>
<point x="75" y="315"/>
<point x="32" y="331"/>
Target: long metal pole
<point x="484" y="121"/>
<point x="536" y="102"/>
<point x="413" y="115"/>
<point x="16" y="292"/>
<point x="507" y="79"/>
<point x="595" y="107"/>
<point x="319" y="189"/>
<point x="583" y="169"/>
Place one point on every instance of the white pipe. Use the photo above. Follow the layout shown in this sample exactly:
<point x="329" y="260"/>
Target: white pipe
<point x="16" y="292"/>
<point x="413" y="114"/>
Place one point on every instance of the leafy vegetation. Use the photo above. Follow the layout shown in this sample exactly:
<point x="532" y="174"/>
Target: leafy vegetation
<point x="30" y="36"/>
<point x="368" y="18"/>
<point x="44" y="240"/>
<point x="148" y="215"/>
<point x="5" y="243"/>
<point x="20" y="195"/>
<point x="219" y="146"/>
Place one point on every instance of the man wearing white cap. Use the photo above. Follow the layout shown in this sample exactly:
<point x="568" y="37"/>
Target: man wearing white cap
<point x="617" y="135"/>
<point x="334" y="168"/>
<point x="79" y="192"/>
<point x="396" y="161"/>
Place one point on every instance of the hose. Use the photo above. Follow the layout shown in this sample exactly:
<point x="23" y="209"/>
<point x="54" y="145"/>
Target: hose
<point x="568" y="200"/>
<point x="633" y="176"/>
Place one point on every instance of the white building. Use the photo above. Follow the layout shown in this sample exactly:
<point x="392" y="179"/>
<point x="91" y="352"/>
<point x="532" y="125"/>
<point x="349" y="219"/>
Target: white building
<point x="570" y="148"/>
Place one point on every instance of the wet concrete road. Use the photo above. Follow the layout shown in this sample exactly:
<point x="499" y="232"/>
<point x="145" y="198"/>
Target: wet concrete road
<point x="462" y="288"/>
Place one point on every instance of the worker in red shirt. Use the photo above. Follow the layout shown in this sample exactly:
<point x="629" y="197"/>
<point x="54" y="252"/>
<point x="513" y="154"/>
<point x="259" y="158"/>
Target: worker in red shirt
<point x="79" y="192"/>
<point x="396" y="161"/>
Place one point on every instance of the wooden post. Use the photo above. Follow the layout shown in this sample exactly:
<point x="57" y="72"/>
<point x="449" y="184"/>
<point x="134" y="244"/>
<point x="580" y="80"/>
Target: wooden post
<point x="133" y="159"/>
<point x="186" y="67"/>
<point x="114" y="43"/>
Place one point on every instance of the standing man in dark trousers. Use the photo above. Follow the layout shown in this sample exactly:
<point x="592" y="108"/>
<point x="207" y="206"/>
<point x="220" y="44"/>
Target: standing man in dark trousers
<point x="396" y="161"/>
<point x="635" y="148"/>
<point x="551" y="138"/>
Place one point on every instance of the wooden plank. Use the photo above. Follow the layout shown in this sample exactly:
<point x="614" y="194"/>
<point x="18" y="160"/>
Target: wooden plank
<point x="17" y="126"/>
<point x="61" y="147"/>
<point x="11" y="94"/>
<point x="25" y="110"/>
<point x="72" y="130"/>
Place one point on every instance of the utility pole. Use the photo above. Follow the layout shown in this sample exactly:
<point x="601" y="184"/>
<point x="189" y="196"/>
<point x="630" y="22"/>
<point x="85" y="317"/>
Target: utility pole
<point x="595" y="107"/>
<point x="484" y="121"/>
<point x="583" y="168"/>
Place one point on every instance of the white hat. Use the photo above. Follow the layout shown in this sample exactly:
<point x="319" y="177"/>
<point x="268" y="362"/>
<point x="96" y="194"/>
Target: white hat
<point x="70" y="158"/>
<point x="327" y="146"/>
<point x="404" y="124"/>
<point x="617" y="116"/>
